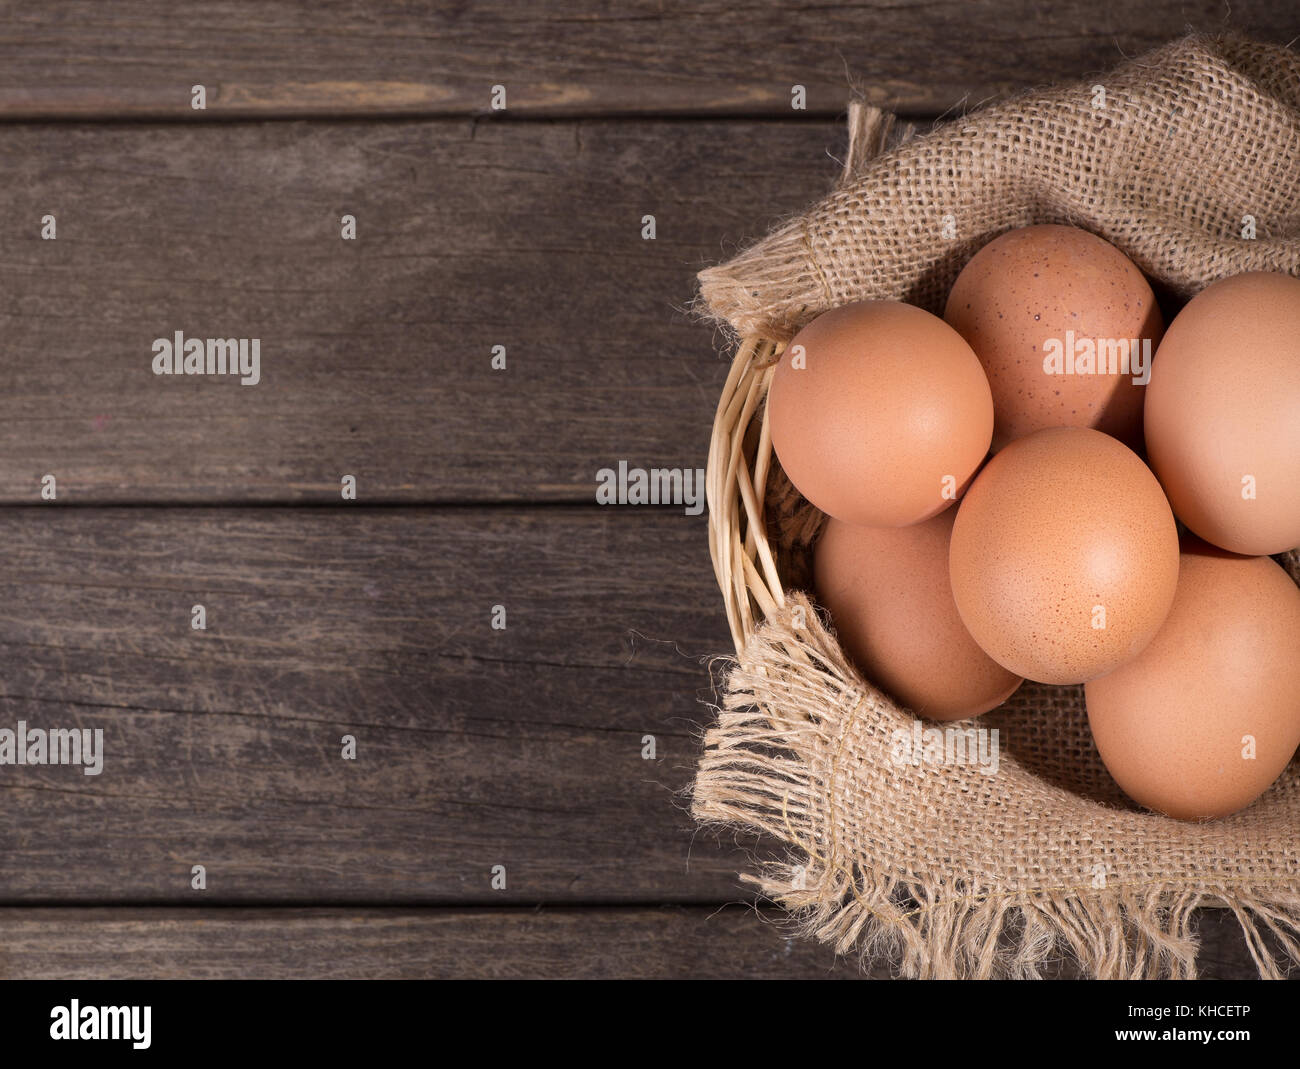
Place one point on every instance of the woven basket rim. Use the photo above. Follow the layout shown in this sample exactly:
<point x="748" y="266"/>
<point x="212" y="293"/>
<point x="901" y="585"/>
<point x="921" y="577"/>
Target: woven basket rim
<point x="743" y="563"/>
<point x="738" y="465"/>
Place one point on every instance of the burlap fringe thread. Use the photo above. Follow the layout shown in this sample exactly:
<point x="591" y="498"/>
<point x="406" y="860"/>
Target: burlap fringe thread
<point x="943" y="870"/>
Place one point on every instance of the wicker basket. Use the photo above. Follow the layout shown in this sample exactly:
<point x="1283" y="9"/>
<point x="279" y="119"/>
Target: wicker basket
<point x="796" y="753"/>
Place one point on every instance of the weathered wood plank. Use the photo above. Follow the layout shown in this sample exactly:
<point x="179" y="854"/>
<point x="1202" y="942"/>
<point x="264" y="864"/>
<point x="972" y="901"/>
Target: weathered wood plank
<point x="476" y="747"/>
<point x="643" y="943"/>
<point x="375" y="353"/>
<point x="436" y="57"/>
<point x="664" y="943"/>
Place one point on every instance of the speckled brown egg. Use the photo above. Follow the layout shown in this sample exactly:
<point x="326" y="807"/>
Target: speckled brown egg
<point x="891" y="605"/>
<point x="1208" y="715"/>
<point x="1034" y="304"/>
<point x="879" y="413"/>
<point x="1064" y="556"/>
<point x="1223" y="413"/>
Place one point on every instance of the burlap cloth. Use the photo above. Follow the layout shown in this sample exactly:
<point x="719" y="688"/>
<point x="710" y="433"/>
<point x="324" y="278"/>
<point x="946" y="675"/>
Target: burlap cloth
<point x="950" y="871"/>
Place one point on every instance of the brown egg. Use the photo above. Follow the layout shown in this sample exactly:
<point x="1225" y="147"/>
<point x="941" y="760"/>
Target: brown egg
<point x="1223" y="413"/>
<point x="879" y="413"/>
<point x="891" y="604"/>
<point x="1053" y="312"/>
<point x="1208" y="715"/>
<point x="1064" y="556"/>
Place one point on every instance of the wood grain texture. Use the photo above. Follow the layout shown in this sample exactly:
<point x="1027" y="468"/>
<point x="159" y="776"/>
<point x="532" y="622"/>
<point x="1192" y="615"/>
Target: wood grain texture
<point x="442" y="57"/>
<point x="649" y="943"/>
<point x="375" y="354"/>
<point x="660" y="943"/>
<point x="476" y="747"/>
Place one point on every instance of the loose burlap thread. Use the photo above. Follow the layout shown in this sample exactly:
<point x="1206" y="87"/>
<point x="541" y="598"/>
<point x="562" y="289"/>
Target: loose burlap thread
<point x="947" y="870"/>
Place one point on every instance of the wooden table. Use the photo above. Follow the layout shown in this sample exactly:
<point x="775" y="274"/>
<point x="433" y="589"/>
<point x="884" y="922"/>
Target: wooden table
<point x="476" y="747"/>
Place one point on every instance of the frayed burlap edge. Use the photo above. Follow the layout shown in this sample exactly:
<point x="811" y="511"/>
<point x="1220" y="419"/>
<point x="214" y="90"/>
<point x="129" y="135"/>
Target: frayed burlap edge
<point x="784" y="260"/>
<point x="772" y="764"/>
<point x="824" y="257"/>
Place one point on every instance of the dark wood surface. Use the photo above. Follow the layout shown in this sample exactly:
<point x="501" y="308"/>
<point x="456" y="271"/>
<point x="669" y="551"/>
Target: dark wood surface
<point x="376" y="353"/>
<point x="476" y="747"/>
<point x="434" y="57"/>
<point x="661" y="942"/>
